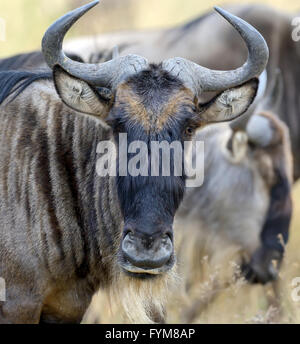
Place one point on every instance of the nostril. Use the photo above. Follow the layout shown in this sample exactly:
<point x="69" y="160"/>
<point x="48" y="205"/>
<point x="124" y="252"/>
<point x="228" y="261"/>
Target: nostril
<point x="141" y="253"/>
<point x="165" y="238"/>
<point x="168" y="235"/>
<point x="128" y="231"/>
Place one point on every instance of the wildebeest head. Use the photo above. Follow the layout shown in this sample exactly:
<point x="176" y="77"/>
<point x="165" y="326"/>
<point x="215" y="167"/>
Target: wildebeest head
<point x="152" y="103"/>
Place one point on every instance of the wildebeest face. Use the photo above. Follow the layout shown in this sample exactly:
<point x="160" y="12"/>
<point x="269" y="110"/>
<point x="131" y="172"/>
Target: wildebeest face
<point x="151" y="106"/>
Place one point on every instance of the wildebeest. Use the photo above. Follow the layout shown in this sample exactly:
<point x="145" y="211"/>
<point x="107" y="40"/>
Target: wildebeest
<point x="237" y="223"/>
<point x="30" y="61"/>
<point x="67" y="231"/>
<point x="206" y="40"/>
<point x="244" y="205"/>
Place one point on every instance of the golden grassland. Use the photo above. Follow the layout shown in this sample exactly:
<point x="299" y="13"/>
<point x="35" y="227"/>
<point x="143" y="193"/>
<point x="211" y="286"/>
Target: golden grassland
<point x="240" y="302"/>
<point x="26" y="21"/>
<point x="231" y="301"/>
<point x="243" y="303"/>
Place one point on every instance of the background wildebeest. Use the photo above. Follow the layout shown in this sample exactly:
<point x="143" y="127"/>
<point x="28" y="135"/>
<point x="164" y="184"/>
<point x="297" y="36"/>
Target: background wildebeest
<point x="30" y="61"/>
<point x="208" y="41"/>
<point x="252" y="204"/>
<point x="66" y="231"/>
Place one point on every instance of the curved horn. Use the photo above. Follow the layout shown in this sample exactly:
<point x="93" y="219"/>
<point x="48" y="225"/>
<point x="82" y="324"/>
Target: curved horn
<point x="274" y="97"/>
<point x="107" y="74"/>
<point x="260" y="129"/>
<point x="201" y="79"/>
<point x="241" y="122"/>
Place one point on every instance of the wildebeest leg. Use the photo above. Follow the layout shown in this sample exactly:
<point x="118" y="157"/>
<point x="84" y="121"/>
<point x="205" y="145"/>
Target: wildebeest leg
<point x="266" y="260"/>
<point x="274" y="299"/>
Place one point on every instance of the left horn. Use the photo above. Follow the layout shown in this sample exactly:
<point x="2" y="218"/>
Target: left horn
<point x="108" y="74"/>
<point x="201" y="79"/>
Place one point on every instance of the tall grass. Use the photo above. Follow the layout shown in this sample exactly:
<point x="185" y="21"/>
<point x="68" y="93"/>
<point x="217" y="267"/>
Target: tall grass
<point x="236" y="301"/>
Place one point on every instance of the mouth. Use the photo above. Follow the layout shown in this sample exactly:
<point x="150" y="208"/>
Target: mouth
<point x="143" y="273"/>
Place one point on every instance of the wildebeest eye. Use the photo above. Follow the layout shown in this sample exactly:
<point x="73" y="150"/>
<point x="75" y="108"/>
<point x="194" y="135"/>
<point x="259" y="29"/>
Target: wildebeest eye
<point x="189" y="131"/>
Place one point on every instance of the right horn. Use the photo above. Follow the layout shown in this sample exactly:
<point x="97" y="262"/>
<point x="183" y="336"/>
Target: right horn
<point x="241" y="122"/>
<point x="274" y="97"/>
<point x="260" y="128"/>
<point x="201" y="79"/>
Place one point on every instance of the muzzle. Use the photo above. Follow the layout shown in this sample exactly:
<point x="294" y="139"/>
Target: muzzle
<point x="145" y="253"/>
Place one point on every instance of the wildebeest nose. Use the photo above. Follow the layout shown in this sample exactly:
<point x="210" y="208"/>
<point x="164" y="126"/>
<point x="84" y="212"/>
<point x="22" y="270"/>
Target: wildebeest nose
<point x="146" y="251"/>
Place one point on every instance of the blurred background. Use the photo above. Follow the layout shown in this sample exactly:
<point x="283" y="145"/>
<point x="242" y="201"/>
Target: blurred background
<point x="26" y="21"/>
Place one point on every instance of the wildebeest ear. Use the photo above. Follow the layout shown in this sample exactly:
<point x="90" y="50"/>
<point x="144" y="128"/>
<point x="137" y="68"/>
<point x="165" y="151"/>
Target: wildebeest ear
<point x="80" y="96"/>
<point x="229" y="104"/>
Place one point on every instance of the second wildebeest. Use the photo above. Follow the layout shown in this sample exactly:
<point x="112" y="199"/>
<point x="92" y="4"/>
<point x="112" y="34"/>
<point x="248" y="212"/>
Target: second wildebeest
<point x="243" y="210"/>
<point x="66" y="231"/>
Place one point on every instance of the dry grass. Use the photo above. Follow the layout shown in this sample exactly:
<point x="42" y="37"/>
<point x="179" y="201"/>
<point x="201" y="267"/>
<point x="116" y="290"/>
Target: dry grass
<point x="238" y="302"/>
<point x="214" y="295"/>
